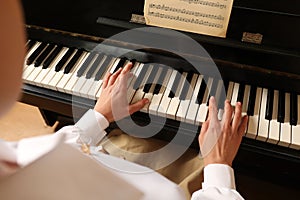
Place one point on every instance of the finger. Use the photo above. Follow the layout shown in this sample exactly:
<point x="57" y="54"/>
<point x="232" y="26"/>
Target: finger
<point x="114" y="76"/>
<point x="204" y="127"/>
<point x="237" y="116"/>
<point x="127" y="68"/>
<point x="105" y="80"/>
<point x="243" y="125"/>
<point x="203" y="131"/>
<point x="226" y="120"/>
<point x="122" y="81"/>
<point x="138" y="105"/>
<point x="212" y="109"/>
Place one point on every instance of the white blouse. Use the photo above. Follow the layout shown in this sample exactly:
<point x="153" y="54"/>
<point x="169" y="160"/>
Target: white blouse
<point x="218" y="182"/>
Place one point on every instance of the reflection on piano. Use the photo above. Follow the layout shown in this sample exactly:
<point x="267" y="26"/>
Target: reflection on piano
<point x="61" y="65"/>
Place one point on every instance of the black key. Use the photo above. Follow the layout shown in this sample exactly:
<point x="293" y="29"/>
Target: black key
<point x="30" y="44"/>
<point x="120" y="64"/>
<point x="281" y="107"/>
<point x="160" y="80"/>
<point x="103" y="67"/>
<point x="86" y="63"/>
<point x="94" y="66"/>
<point x="186" y="86"/>
<point x="64" y="59"/>
<point x="269" y="106"/>
<point x="251" y="103"/>
<point x="175" y="84"/>
<point x="43" y="55"/>
<point x="294" y="109"/>
<point x="73" y="61"/>
<point x="201" y="92"/>
<point x="36" y="53"/>
<point x="141" y="76"/>
<point x="51" y="57"/>
<point x="150" y="79"/>
<point x="241" y="93"/>
<point x="133" y="61"/>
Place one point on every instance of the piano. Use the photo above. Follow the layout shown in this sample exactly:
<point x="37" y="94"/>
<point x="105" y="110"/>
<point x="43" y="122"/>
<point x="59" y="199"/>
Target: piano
<point x="63" y="73"/>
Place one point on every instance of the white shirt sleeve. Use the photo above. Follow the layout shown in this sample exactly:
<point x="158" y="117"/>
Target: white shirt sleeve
<point x="27" y="150"/>
<point x="91" y="124"/>
<point x="219" y="183"/>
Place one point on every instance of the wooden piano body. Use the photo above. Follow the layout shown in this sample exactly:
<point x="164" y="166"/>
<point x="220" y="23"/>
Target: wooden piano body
<point x="272" y="65"/>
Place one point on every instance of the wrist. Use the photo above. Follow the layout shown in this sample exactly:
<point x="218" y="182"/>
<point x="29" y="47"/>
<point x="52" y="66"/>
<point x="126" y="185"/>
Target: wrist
<point x="208" y="161"/>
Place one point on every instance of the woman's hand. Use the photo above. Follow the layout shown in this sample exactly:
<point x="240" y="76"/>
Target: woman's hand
<point x="220" y="140"/>
<point x="112" y="103"/>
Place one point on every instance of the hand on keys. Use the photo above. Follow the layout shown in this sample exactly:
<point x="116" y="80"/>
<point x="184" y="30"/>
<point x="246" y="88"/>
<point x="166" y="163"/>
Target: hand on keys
<point x="219" y="140"/>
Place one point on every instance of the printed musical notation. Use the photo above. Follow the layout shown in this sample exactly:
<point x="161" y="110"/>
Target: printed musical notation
<point x="209" y="17"/>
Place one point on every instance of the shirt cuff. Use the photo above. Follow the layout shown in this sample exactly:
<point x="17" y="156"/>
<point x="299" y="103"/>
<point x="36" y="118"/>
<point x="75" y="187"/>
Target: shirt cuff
<point x="93" y="124"/>
<point x="218" y="175"/>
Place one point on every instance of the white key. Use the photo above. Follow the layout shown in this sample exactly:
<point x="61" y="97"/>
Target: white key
<point x="65" y="79"/>
<point x="174" y="103"/>
<point x="149" y="95"/>
<point x="94" y="91"/>
<point x="137" y="70"/>
<point x="32" y="76"/>
<point x="263" y="128"/>
<point x="90" y="84"/>
<point x="274" y="131"/>
<point x="156" y="99"/>
<point x="98" y="86"/>
<point x="229" y="90"/>
<point x="58" y="75"/>
<point x="37" y="81"/>
<point x="37" y="70"/>
<point x="29" y="68"/>
<point x="51" y="74"/>
<point x="295" y="144"/>
<point x="285" y="128"/>
<point x="193" y="107"/>
<point x="68" y="88"/>
<point x="253" y="120"/>
<point x="133" y="71"/>
<point x="235" y="93"/>
<point x="203" y="108"/>
<point x="165" y="101"/>
<point x="184" y="104"/>
<point x="139" y="94"/>
<point x="40" y="73"/>
<point x="30" y="51"/>
<point x="112" y="69"/>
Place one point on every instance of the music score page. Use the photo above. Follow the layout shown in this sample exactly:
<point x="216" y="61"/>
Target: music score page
<point x="208" y="17"/>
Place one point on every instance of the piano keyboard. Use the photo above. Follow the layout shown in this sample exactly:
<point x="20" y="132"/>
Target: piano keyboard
<point x="274" y="116"/>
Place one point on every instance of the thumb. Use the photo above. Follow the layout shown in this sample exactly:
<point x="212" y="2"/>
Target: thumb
<point x="138" y="105"/>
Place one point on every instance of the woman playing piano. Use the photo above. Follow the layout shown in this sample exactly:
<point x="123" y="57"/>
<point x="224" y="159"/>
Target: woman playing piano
<point x="218" y="181"/>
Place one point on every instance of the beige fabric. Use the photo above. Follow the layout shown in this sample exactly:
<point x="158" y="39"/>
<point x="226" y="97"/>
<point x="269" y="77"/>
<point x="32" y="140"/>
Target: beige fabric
<point x="186" y="171"/>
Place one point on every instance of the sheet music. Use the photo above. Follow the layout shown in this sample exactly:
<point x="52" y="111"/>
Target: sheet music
<point x="209" y="17"/>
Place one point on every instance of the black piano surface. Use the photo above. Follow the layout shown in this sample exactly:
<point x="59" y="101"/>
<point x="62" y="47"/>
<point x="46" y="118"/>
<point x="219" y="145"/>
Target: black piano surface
<point x="272" y="64"/>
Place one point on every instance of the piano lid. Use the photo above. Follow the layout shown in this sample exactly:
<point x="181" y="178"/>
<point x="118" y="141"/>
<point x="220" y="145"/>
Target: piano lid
<point x="277" y="22"/>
